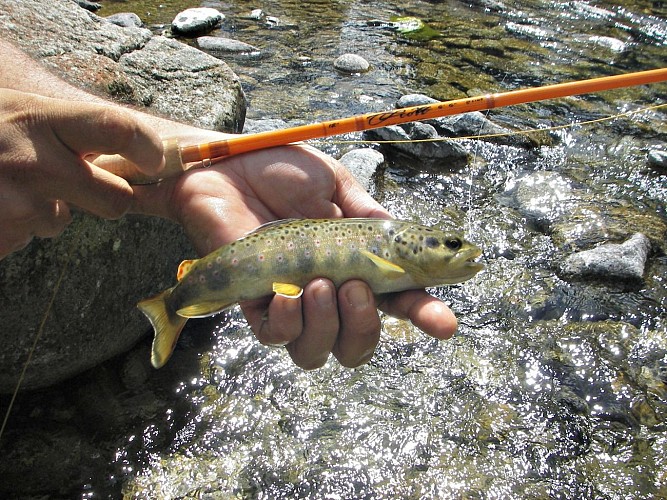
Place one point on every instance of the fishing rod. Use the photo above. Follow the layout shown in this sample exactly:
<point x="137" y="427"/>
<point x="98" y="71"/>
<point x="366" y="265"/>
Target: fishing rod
<point x="181" y="158"/>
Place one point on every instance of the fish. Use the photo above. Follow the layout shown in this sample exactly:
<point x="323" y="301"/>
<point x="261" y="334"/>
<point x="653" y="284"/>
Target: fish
<point x="281" y="257"/>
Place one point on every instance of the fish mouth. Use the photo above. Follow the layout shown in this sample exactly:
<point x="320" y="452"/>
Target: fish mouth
<point x="466" y="263"/>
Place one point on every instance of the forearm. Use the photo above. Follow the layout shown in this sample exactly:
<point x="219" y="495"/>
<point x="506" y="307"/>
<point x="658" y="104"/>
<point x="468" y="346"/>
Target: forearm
<point x="27" y="75"/>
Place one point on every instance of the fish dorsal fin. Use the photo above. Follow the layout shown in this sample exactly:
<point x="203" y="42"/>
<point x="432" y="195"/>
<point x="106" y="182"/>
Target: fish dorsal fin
<point x="288" y="290"/>
<point x="270" y="225"/>
<point x="203" y="309"/>
<point x="389" y="269"/>
<point x="183" y="268"/>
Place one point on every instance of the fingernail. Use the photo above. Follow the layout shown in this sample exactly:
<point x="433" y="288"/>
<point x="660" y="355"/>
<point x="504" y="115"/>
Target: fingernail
<point x="358" y="297"/>
<point x="324" y="296"/>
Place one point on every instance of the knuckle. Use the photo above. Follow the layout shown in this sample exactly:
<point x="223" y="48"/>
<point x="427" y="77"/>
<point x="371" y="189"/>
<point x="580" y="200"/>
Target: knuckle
<point x="121" y="128"/>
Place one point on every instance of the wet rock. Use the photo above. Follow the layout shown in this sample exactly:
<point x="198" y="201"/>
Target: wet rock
<point x="657" y="158"/>
<point x="351" y="63"/>
<point x="613" y="44"/>
<point x="611" y="261"/>
<point x="220" y="44"/>
<point x="256" y="126"/>
<point x="363" y="163"/>
<point x="90" y="6"/>
<point x="472" y="124"/>
<point x="110" y="264"/>
<point x="125" y="20"/>
<point x="409" y="100"/>
<point x="196" y="20"/>
<point x="543" y="197"/>
<point x="437" y="151"/>
<point x="590" y="221"/>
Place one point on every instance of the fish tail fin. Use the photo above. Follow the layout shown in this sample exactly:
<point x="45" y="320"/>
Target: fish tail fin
<point x="167" y="326"/>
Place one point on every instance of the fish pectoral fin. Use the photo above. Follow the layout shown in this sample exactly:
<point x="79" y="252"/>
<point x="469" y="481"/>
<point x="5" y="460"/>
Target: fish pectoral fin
<point x="389" y="269"/>
<point x="166" y="324"/>
<point x="288" y="290"/>
<point x="183" y="268"/>
<point x="203" y="309"/>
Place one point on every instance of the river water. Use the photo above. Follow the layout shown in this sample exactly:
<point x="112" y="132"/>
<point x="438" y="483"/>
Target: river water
<point x="553" y="387"/>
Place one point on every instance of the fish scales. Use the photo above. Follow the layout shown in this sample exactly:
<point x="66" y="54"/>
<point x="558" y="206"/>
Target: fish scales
<point x="284" y="256"/>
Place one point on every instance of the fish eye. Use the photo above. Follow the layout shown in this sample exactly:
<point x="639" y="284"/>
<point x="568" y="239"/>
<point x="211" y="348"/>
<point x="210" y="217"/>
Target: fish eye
<point x="453" y="243"/>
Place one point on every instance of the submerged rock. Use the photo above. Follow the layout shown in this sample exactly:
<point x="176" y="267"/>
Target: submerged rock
<point x="437" y="151"/>
<point x="351" y="63"/>
<point x="196" y="20"/>
<point x="611" y="261"/>
<point x="471" y="124"/>
<point x="220" y="44"/>
<point x="657" y="158"/>
<point x="543" y="197"/>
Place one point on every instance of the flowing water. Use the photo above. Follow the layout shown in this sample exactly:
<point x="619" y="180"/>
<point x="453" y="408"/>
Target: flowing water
<point x="552" y="388"/>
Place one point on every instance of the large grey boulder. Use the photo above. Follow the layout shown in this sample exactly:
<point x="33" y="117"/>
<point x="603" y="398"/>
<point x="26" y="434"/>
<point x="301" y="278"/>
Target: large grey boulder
<point x="108" y="265"/>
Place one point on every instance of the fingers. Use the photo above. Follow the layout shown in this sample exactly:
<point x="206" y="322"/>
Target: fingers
<point x="311" y="349"/>
<point x="321" y="321"/>
<point x="45" y="141"/>
<point x="360" y="324"/>
<point x="345" y="324"/>
<point x="98" y="129"/>
<point x="426" y="312"/>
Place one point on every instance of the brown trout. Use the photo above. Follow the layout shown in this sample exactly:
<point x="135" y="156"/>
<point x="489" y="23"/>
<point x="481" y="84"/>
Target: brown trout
<point x="283" y="256"/>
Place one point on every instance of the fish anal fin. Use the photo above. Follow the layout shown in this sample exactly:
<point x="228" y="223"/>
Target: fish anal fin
<point x="288" y="290"/>
<point x="183" y="268"/>
<point x="167" y="326"/>
<point x="203" y="309"/>
<point x="389" y="269"/>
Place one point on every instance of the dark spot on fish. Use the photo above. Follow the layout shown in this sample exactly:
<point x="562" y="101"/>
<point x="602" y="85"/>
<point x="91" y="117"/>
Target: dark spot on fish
<point x="453" y="243"/>
<point x="392" y="232"/>
<point x="432" y="242"/>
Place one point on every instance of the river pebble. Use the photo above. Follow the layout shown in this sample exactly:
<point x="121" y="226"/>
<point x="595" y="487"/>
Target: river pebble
<point x="363" y="163"/>
<point x="125" y="20"/>
<point x="657" y="158"/>
<point x="196" y="20"/>
<point x="352" y="63"/>
<point x="623" y="261"/>
<point x="220" y="44"/>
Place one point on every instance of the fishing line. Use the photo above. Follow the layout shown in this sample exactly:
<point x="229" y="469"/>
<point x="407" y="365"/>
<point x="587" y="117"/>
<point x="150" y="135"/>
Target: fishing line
<point x="33" y="347"/>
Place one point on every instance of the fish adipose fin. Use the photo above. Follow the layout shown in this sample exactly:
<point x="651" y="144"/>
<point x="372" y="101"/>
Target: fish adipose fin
<point x="288" y="290"/>
<point x="167" y="327"/>
<point x="183" y="268"/>
<point x="389" y="269"/>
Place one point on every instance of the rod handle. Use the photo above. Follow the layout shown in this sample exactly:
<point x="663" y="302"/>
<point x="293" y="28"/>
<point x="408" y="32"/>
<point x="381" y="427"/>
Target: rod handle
<point x="121" y="167"/>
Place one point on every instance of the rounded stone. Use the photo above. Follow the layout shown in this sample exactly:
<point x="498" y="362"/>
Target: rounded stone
<point x="220" y="44"/>
<point x="351" y="63"/>
<point x="196" y="20"/>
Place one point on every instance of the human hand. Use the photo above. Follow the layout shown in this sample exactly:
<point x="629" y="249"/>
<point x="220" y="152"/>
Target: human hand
<point x="219" y="204"/>
<point x="43" y="143"/>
